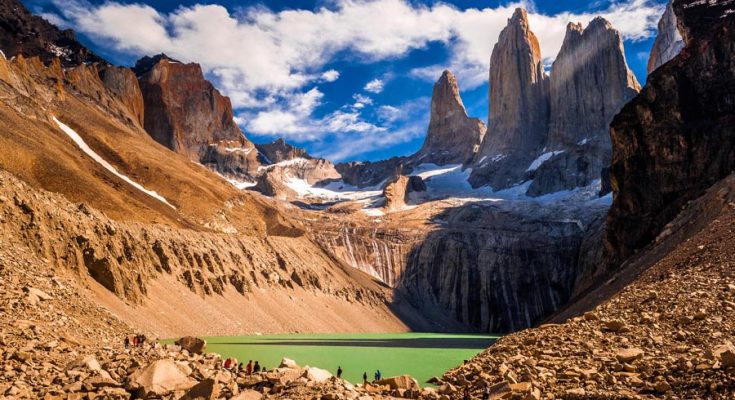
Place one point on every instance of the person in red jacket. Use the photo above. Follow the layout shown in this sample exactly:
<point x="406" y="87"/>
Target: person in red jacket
<point x="250" y="367"/>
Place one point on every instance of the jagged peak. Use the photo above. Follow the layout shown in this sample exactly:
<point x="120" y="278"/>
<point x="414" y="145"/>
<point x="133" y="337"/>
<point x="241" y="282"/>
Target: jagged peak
<point x="520" y="17"/>
<point x="147" y="63"/>
<point x="599" y="23"/>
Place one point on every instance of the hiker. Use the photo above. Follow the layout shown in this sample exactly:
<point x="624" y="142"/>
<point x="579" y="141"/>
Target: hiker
<point x="256" y="367"/>
<point x="142" y="340"/>
<point x="228" y="363"/>
<point x="339" y="372"/>
<point x="127" y="342"/>
<point x="377" y="375"/>
<point x="364" y="378"/>
<point x="135" y="341"/>
<point x="466" y="393"/>
<point x="250" y="367"/>
<point x="239" y="368"/>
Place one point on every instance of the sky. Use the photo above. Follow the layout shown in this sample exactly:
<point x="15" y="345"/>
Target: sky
<point x="348" y="80"/>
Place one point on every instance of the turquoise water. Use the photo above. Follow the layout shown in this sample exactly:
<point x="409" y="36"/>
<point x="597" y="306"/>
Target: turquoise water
<point x="421" y="355"/>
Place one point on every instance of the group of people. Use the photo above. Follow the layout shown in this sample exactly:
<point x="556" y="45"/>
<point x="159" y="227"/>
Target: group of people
<point x="138" y="341"/>
<point x="232" y="365"/>
<point x="377" y="375"/>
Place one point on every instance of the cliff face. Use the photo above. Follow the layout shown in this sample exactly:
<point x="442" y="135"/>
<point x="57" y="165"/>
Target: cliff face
<point x="185" y="113"/>
<point x="453" y="137"/>
<point x="668" y="42"/>
<point x="123" y="85"/>
<point x="677" y="137"/>
<point x="500" y="268"/>
<point x="519" y="107"/>
<point x="590" y="82"/>
<point x="24" y="33"/>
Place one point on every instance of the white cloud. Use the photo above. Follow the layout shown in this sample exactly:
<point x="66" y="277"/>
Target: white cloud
<point x="330" y="76"/>
<point x="374" y="86"/>
<point x="265" y="60"/>
<point x="258" y="53"/>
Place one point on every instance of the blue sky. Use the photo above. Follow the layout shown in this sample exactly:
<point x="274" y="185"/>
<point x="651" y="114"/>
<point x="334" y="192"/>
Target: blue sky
<point x="345" y="79"/>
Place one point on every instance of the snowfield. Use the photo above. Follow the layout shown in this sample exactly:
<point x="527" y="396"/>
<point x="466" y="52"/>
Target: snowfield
<point x="542" y="159"/>
<point x="96" y="157"/>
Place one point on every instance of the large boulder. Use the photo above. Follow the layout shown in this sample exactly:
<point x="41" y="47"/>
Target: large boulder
<point x="400" y="382"/>
<point x="207" y="389"/>
<point x="396" y="190"/>
<point x="317" y="375"/>
<point x="288" y="363"/>
<point x="193" y="345"/>
<point x="248" y="395"/>
<point x="160" y="378"/>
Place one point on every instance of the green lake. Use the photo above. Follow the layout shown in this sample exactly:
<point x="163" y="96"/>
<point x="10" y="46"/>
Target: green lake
<point x="421" y="355"/>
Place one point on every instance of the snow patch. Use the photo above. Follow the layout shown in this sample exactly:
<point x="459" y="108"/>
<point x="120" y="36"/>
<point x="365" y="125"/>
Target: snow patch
<point x="542" y="159"/>
<point x="334" y="191"/>
<point x="583" y="142"/>
<point x="96" y="157"/>
<point x="3" y="55"/>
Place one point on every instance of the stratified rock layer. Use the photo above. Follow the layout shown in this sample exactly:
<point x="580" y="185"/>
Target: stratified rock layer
<point x="500" y="267"/>
<point x="519" y="106"/>
<point x="453" y="137"/>
<point x="678" y="136"/>
<point x="185" y="113"/>
<point x="668" y="42"/>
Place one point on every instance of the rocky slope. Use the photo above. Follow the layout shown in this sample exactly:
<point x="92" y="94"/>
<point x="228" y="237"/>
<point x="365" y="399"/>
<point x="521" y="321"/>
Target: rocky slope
<point x="147" y="230"/>
<point x="519" y="106"/>
<point x="185" y="113"/>
<point x="663" y="330"/>
<point x="453" y="137"/>
<point x="668" y="41"/>
<point x="24" y="33"/>
<point x="676" y="138"/>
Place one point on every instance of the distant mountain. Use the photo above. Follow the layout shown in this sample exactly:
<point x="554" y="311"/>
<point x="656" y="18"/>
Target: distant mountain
<point x="24" y="33"/>
<point x="187" y="114"/>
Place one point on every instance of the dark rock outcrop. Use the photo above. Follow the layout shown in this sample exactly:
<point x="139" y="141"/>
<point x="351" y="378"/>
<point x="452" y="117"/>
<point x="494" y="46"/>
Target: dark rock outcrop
<point x="677" y="138"/>
<point x="24" y="33"/>
<point x="365" y="173"/>
<point x="279" y="150"/>
<point x="185" y="113"/>
<point x="668" y="42"/>
<point x="519" y="107"/>
<point x="453" y="137"/>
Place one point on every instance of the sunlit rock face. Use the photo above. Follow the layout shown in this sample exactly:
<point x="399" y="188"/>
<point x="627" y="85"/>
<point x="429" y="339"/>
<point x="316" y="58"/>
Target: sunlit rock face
<point x="187" y="114"/>
<point x="590" y="82"/>
<point x="453" y="137"/>
<point x="519" y="107"/>
<point x="668" y="42"/>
